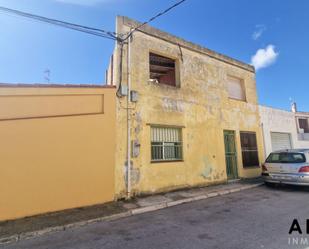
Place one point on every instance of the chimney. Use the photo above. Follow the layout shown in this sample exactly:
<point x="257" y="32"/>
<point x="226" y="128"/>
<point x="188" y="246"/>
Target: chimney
<point x="294" y="107"/>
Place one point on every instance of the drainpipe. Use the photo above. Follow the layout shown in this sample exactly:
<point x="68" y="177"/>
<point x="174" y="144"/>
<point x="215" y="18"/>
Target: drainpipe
<point x="264" y="143"/>
<point x="129" y="121"/>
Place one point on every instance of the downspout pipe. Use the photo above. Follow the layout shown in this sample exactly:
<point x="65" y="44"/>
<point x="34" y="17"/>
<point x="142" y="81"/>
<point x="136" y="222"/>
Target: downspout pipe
<point x="129" y="120"/>
<point x="264" y="142"/>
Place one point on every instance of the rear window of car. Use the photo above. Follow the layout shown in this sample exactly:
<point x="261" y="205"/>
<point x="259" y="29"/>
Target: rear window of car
<point x="286" y="158"/>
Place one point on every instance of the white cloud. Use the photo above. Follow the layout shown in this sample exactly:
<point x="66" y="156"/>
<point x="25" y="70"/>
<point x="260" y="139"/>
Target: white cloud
<point x="82" y="2"/>
<point x="259" y="30"/>
<point x="264" y="57"/>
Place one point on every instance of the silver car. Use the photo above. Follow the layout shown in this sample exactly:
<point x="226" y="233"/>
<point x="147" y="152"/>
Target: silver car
<point x="288" y="167"/>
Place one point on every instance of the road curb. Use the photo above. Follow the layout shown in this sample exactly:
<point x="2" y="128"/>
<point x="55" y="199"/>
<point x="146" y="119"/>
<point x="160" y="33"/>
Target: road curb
<point x="136" y="211"/>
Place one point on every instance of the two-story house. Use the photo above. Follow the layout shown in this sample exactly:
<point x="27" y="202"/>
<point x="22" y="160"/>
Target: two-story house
<point x="186" y="116"/>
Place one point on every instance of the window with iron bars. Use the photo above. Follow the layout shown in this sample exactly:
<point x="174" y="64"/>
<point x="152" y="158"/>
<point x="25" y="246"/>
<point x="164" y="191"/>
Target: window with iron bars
<point x="166" y="144"/>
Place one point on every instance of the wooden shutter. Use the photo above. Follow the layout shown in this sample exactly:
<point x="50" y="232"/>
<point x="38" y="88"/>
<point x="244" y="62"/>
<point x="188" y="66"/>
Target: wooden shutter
<point x="249" y="149"/>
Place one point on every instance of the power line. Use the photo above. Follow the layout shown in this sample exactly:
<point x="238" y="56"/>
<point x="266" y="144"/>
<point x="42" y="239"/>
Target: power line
<point x="86" y="29"/>
<point x="153" y="18"/>
<point x="73" y="26"/>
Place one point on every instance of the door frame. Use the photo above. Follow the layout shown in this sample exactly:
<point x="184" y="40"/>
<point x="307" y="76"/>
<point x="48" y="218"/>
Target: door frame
<point x="234" y="154"/>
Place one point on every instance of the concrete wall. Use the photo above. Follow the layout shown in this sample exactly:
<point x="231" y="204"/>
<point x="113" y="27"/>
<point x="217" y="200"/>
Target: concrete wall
<point x="275" y="120"/>
<point x="201" y="105"/>
<point x="57" y="147"/>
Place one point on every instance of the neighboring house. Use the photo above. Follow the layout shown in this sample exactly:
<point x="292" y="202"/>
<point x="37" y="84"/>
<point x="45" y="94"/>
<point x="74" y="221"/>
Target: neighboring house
<point x="57" y="147"/>
<point x="284" y="129"/>
<point x="193" y="117"/>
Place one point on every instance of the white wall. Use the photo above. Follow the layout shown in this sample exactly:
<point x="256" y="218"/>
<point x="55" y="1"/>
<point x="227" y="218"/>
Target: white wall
<point x="275" y="120"/>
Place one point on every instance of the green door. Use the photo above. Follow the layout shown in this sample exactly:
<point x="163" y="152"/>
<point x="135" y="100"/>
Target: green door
<point x="230" y="155"/>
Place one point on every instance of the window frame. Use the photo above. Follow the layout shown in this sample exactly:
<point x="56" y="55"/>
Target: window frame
<point x="245" y="150"/>
<point x="243" y="87"/>
<point x="176" y="69"/>
<point x="307" y="124"/>
<point x="164" y="145"/>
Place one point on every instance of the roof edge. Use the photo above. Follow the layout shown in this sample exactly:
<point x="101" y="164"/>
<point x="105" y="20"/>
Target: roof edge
<point x="42" y="85"/>
<point x="149" y="30"/>
<point x="274" y="108"/>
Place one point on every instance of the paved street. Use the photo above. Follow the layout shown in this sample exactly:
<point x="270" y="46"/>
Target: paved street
<point x="255" y="218"/>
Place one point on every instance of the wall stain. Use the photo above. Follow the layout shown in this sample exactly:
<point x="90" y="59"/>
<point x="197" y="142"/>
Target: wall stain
<point x="208" y="169"/>
<point x="172" y="105"/>
<point x="138" y="120"/>
<point x="135" y="174"/>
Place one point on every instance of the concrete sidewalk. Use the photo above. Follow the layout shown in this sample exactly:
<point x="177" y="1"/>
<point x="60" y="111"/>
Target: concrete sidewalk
<point x="12" y="231"/>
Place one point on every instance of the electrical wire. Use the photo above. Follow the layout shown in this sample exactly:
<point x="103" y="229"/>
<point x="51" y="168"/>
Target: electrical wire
<point x="122" y="41"/>
<point x="153" y="18"/>
<point x="73" y="26"/>
<point x="86" y="29"/>
<point x="120" y="70"/>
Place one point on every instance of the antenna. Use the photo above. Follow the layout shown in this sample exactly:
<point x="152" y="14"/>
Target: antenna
<point x="293" y="105"/>
<point x="47" y="75"/>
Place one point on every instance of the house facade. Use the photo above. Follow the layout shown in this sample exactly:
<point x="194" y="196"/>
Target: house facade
<point x="284" y="129"/>
<point x="185" y="115"/>
<point x="174" y="115"/>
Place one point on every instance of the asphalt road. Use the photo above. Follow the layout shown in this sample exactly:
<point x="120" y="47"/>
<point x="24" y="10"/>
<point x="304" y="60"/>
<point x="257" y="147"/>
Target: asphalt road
<point x="255" y="218"/>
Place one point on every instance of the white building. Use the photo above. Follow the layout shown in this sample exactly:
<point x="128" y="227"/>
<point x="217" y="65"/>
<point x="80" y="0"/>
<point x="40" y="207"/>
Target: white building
<point x="284" y="129"/>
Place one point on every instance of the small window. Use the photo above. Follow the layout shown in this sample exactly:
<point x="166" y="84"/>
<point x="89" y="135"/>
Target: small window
<point x="166" y="144"/>
<point x="250" y="155"/>
<point x="286" y="157"/>
<point x="303" y="124"/>
<point x="162" y="70"/>
<point x="236" y="88"/>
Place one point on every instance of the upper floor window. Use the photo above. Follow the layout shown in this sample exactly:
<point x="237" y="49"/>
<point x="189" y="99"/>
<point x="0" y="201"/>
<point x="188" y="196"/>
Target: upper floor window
<point x="303" y="124"/>
<point x="236" y="88"/>
<point x="162" y="69"/>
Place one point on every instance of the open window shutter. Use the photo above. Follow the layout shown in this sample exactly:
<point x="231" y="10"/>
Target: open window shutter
<point x="236" y="88"/>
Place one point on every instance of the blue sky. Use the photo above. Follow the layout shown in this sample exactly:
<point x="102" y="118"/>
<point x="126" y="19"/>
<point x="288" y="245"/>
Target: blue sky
<point x="271" y="34"/>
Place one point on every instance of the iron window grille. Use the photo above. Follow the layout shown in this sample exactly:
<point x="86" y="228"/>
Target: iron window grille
<point x="166" y="144"/>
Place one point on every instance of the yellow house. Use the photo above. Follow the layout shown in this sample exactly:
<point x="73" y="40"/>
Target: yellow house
<point x="174" y="115"/>
<point x="185" y="115"/>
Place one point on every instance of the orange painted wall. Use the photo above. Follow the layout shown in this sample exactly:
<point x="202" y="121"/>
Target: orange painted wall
<point x="57" y="147"/>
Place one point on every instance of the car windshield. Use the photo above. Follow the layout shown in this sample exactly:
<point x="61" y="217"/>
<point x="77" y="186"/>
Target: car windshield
<point x="286" y="157"/>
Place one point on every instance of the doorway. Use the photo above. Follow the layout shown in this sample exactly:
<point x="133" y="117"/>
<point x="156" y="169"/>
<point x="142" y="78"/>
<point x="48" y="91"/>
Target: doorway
<point x="230" y="155"/>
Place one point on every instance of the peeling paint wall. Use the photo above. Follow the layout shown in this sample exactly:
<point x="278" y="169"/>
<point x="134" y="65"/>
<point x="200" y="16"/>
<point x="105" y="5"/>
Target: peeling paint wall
<point x="201" y="105"/>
